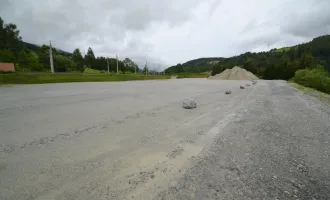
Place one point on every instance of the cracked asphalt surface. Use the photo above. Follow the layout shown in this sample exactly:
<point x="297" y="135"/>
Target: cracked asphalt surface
<point x="132" y="140"/>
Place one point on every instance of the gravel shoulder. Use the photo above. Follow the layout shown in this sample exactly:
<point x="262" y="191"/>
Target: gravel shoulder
<point x="132" y="140"/>
<point x="279" y="149"/>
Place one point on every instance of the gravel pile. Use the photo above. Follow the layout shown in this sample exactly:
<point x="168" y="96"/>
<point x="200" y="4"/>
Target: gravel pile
<point x="235" y="73"/>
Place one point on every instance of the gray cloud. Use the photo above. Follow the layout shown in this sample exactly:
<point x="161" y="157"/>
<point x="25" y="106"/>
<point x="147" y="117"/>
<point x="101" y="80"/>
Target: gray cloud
<point x="287" y="24"/>
<point x="139" y="15"/>
<point x="311" y="23"/>
<point x="168" y="32"/>
<point x="104" y="25"/>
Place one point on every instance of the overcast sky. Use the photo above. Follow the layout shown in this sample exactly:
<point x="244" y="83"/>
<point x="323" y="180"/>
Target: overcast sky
<point x="168" y="32"/>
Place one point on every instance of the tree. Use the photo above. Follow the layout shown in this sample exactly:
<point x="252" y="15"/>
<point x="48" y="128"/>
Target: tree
<point x="9" y="36"/>
<point x="28" y="61"/>
<point x="178" y="68"/>
<point x="23" y="59"/>
<point x="145" y="69"/>
<point x="1" y="24"/>
<point x="282" y="69"/>
<point x="307" y="61"/>
<point x="90" y="58"/>
<point x="7" y="56"/>
<point x="78" y="59"/>
<point x="271" y="72"/>
<point x="292" y="68"/>
<point x="9" y="42"/>
<point x="122" y="67"/>
<point x="43" y="55"/>
<point x="217" y="69"/>
<point x="249" y="66"/>
<point x="129" y="65"/>
<point x="33" y="62"/>
<point x="112" y="64"/>
<point x="64" y="64"/>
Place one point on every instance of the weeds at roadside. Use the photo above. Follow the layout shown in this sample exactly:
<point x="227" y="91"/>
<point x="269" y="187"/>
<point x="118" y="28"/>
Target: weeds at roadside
<point x="312" y="92"/>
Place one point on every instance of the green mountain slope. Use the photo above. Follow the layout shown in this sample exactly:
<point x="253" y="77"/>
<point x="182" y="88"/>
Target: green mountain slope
<point x="258" y="62"/>
<point x="195" y="66"/>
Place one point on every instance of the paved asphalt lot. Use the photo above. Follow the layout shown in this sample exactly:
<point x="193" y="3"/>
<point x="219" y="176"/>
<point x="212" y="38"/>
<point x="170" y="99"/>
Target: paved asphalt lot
<point x="132" y="140"/>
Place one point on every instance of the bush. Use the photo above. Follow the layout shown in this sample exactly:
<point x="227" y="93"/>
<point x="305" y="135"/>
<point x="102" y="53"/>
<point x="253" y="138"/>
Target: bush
<point x="326" y="85"/>
<point x="316" y="78"/>
<point x="6" y="72"/>
<point x="217" y="69"/>
<point x="82" y="69"/>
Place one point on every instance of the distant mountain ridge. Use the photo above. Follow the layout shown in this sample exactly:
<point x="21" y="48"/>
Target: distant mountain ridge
<point x="319" y="47"/>
<point x="196" y="65"/>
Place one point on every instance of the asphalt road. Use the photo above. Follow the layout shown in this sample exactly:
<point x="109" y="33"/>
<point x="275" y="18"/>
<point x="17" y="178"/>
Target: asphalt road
<point x="132" y="140"/>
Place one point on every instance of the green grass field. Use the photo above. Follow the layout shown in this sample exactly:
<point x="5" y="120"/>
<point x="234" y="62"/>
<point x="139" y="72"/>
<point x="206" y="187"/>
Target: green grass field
<point x="285" y="49"/>
<point x="192" y="75"/>
<point x="95" y="71"/>
<point x="21" y="78"/>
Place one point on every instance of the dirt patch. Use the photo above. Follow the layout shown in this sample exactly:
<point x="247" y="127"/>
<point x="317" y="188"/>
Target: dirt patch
<point x="235" y="73"/>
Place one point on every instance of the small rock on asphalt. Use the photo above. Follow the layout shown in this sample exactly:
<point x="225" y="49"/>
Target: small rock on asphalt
<point x="228" y="92"/>
<point x="242" y="87"/>
<point x="189" y="104"/>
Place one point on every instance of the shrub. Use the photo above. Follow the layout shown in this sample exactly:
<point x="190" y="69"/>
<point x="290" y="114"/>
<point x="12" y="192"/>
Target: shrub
<point x="217" y="69"/>
<point x="6" y="72"/>
<point x="82" y="69"/>
<point x="316" y="78"/>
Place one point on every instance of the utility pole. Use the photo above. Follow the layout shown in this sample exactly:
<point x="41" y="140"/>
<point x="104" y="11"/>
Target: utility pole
<point x="146" y="67"/>
<point x="108" y="64"/>
<point x="84" y="58"/>
<point x="51" y="57"/>
<point x="117" y="63"/>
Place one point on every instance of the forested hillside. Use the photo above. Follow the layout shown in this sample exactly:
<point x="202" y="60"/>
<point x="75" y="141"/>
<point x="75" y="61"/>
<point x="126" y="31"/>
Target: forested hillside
<point x="195" y="66"/>
<point x="275" y="64"/>
<point x="34" y="58"/>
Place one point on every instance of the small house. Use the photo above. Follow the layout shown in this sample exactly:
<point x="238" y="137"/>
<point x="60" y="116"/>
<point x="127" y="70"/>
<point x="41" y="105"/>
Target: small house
<point x="7" y="67"/>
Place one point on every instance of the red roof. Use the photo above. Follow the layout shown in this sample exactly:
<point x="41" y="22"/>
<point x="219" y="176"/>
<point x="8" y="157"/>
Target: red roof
<point x="7" y="67"/>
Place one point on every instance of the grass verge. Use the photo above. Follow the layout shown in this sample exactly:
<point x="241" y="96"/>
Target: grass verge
<point x="88" y="70"/>
<point x="312" y="92"/>
<point x="67" y="78"/>
<point x="192" y="75"/>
